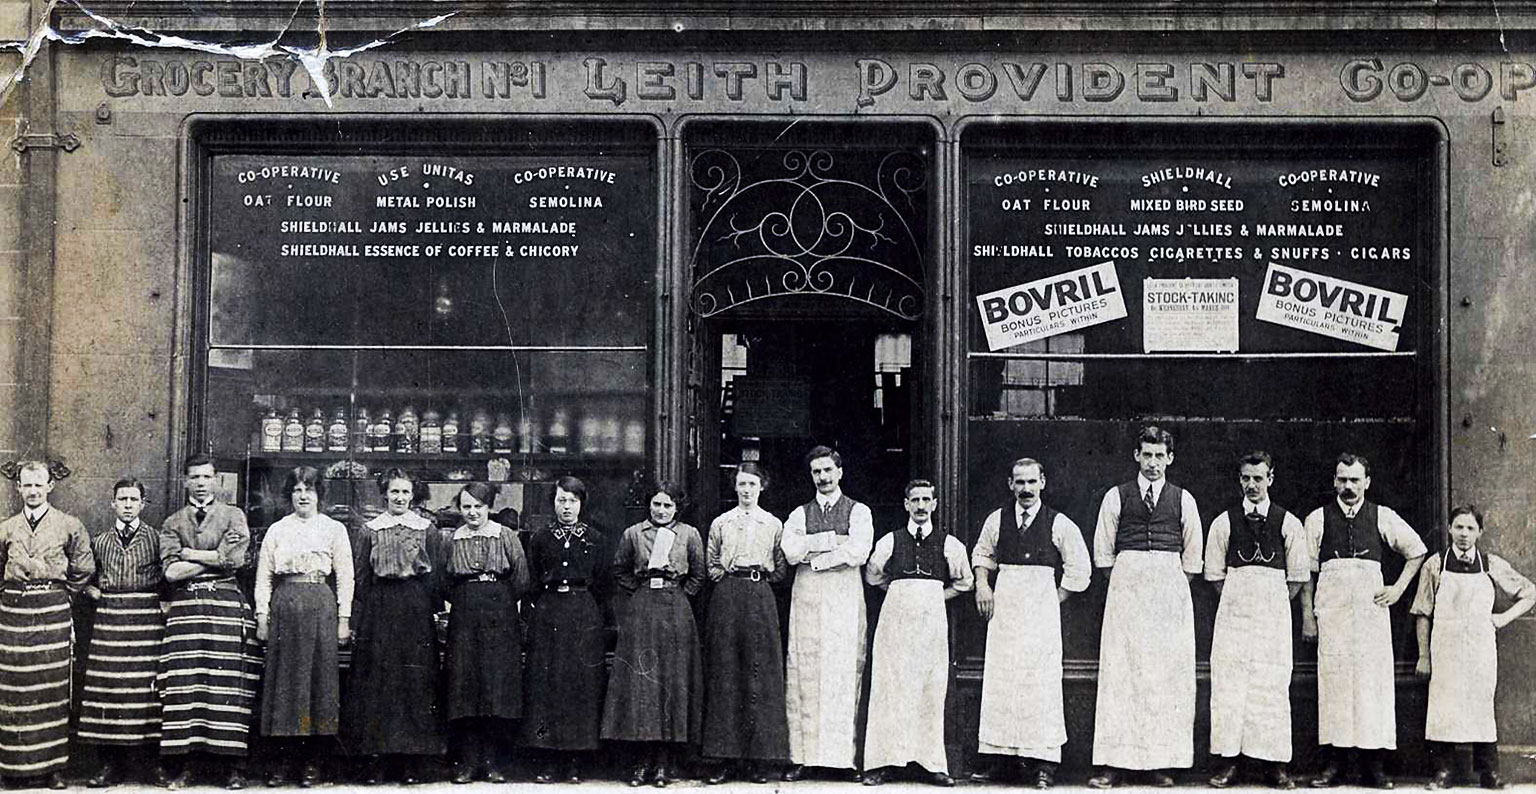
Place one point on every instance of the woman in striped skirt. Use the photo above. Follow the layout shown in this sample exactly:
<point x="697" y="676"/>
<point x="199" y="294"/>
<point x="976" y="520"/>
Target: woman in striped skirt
<point x="209" y="663"/>
<point x="119" y="707"/>
<point x="47" y="556"/>
<point x="391" y="706"/>
<point x="303" y="620"/>
<point x="485" y="655"/>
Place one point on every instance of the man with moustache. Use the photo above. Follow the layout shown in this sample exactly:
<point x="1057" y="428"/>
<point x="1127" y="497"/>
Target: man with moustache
<point x="827" y="540"/>
<point x="1028" y="545"/>
<point x="1345" y="609"/>
<point x="1149" y="532"/>
<point x="1256" y="558"/>
<point x="920" y="567"/>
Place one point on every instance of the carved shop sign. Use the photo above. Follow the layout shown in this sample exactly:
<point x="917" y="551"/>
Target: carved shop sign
<point x="867" y="82"/>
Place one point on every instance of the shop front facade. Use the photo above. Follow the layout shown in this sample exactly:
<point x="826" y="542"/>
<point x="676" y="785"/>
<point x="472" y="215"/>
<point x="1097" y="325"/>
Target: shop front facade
<point x="631" y="246"/>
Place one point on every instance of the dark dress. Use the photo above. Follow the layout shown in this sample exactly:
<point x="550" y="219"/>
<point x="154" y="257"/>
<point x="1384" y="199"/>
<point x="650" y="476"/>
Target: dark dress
<point x="744" y="713"/>
<point x="485" y="670"/>
<point x="566" y="639"/>
<point x="391" y="704"/>
<point x="656" y="686"/>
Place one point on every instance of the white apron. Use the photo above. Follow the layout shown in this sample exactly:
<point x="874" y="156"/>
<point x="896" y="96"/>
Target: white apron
<point x="1355" y="695"/>
<point x="825" y="665"/>
<point x="1021" y="701"/>
<point x="1145" y="715"/>
<point x="909" y="678"/>
<point x="1464" y="660"/>
<point x="1251" y="666"/>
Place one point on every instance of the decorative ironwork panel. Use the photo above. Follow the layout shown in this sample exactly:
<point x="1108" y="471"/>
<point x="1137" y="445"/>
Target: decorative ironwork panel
<point x="844" y="225"/>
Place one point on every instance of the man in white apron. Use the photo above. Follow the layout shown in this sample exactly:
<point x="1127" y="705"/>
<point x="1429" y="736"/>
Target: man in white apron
<point x="1026" y="543"/>
<point x="1456" y="591"/>
<point x="1256" y="558"/>
<point x="827" y="540"/>
<point x="1149" y="531"/>
<point x="1345" y="609"/>
<point x="920" y="567"/>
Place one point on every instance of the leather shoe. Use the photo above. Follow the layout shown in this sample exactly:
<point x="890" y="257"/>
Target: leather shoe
<point x="1328" y="778"/>
<point x="639" y="776"/>
<point x="1224" y="776"/>
<point x="1440" y="780"/>
<point x="1379" y="780"/>
<point x="103" y="777"/>
<point x="794" y="773"/>
<point x="1162" y="779"/>
<point x="236" y="779"/>
<point x="572" y="772"/>
<point x="756" y="774"/>
<point x="56" y="781"/>
<point x="1106" y="779"/>
<point x="721" y="774"/>
<point x="493" y="775"/>
<point x="662" y="777"/>
<point x="1282" y="779"/>
<point x="309" y="775"/>
<point x="984" y="774"/>
<point x="463" y="773"/>
<point x="546" y="775"/>
<point x="875" y="777"/>
<point x="1044" y="778"/>
<point x="941" y="779"/>
<point x="161" y="777"/>
<point x="1491" y="780"/>
<point x="180" y="781"/>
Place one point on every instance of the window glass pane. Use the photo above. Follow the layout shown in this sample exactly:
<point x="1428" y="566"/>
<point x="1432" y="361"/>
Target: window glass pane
<point x="431" y="250"/>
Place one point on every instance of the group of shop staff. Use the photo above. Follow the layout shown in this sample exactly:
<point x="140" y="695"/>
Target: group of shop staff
<point x="177" y="654"/>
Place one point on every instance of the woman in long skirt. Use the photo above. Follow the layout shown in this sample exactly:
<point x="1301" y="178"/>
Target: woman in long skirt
<point x="303" y="620"/>
<point x="744" y="718"/>
<point x="656" y="686"/>
<point x="566" y="638"/>
<point x="391" y="708"/>
<point x="485" y="669"/>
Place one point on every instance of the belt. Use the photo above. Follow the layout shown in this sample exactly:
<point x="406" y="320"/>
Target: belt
<point x="753" y="575"/>
<point x="483" y="576"/>
<point x="31" y="587"/>
<point x="303" y="578"/>
<point x="211" y="584"/>
<point x="658" y="583"/>
<point x="568" y="586"/>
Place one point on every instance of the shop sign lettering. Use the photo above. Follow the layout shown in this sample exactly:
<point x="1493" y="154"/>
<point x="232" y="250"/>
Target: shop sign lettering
<point x="866" y="82"/>
<point x="1332" y="307"/>
<point x="1051" y="306"/>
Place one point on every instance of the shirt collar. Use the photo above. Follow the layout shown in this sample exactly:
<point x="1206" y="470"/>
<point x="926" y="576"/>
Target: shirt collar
<point x="1349" y="512"/>
<point x="203" y="506"/>
<point x="1025" y="516"/>
<point x="827" y="500"/>
<point x="917" y="531"/>
<point x="126" y="528"/>
<point x="489" y="529"/>
<point x="1469" y="557"/>
<point x="1262" y="508"/>
<point x="409" y="519"/>
<point x="1142" y="483"/>
<point x="35" y="516"/>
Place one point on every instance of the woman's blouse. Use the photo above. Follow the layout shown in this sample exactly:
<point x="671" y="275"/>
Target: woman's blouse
<point x="317" y="545"/>
<point x="567" y="556"/>
<point x="396" y="547"/>
<point x="746" y="540"/>
<point x="683" y="561"/>
<point x="492" y="549"/>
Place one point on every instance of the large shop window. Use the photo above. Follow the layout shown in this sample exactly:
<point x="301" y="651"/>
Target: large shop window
<point x="1244" y="285"/>
<point x="468" y="303"/>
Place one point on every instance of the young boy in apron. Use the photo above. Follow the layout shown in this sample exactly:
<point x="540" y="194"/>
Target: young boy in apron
<point x="1456" y="591"/>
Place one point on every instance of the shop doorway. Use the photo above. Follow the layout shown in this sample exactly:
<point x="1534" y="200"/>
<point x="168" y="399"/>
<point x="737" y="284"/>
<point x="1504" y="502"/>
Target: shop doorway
<point x="783" y="387"/>
<point x="808" y="261"/>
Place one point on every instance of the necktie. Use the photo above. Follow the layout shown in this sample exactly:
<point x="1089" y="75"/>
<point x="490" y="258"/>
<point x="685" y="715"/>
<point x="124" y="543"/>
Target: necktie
<point x="1147" y="499"/>
<point x="125" y="532"/>
<point x="200" y="514"/>
<point x="1255" y="516"/>
<point x="826" y="510"/>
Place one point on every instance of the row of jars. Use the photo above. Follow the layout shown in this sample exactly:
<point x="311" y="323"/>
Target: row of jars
<point x="433" y="433"/>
